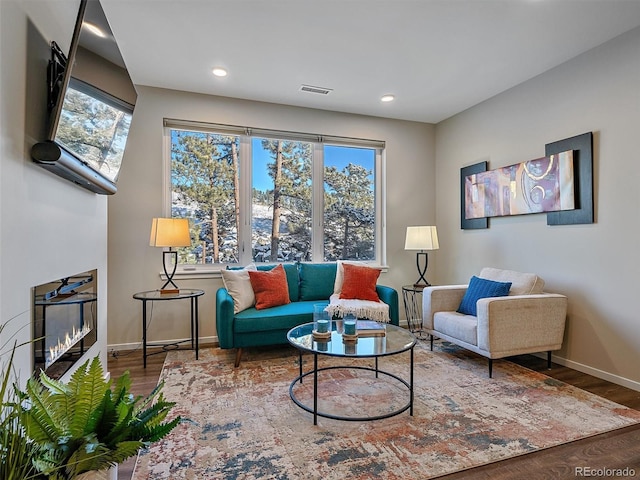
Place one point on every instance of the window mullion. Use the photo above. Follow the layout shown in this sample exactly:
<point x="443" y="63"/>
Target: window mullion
<point x="317" y="208"/>
<point x="244" y="235"/>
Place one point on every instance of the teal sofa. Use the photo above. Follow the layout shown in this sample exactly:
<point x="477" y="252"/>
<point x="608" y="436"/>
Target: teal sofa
<point x="309" y="284"/>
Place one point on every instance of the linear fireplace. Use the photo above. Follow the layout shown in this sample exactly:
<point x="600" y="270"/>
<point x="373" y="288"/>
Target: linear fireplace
<point x="64" y="322"/>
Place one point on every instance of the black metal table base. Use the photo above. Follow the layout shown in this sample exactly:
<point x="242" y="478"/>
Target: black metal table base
<point x="316" y="413"/>
<point x="169" y="347"/>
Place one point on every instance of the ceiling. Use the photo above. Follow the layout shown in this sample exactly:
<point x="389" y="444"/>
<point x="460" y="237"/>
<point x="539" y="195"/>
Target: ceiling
<point x="438" y="57"/>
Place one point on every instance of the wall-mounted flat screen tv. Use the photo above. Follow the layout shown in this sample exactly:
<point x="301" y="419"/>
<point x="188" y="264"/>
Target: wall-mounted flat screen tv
<point x="90" y="102"/>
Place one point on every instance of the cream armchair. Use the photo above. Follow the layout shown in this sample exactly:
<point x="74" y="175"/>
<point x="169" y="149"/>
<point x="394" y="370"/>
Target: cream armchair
<point x="527" y="320"/>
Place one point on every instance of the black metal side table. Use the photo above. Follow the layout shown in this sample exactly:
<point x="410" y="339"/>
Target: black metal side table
<point x="156" y="296"/>
<point x="412" y="297"/>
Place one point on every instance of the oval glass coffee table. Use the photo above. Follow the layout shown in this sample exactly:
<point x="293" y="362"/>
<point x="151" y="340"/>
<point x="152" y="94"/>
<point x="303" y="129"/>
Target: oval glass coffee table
<point x="396" y="341"/>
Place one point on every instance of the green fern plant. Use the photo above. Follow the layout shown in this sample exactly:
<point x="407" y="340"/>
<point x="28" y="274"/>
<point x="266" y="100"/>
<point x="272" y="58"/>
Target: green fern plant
<point x="86" y="425"/>
<point x="16" y="451"/>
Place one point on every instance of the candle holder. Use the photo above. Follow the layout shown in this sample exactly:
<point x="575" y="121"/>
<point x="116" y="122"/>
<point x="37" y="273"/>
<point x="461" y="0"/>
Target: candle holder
<point x="321" y="323"/>
<point x="346" y="338"/>
<point x="349" y="325"/>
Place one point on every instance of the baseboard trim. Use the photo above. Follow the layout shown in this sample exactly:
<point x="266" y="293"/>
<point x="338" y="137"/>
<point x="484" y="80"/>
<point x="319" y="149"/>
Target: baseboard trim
<point x="610" y="377"/>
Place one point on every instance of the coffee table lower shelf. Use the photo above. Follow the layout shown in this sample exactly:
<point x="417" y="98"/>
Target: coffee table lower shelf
<point x="316" y="413"/>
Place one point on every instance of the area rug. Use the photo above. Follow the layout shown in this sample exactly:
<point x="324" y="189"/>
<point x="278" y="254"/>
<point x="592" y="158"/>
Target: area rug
<point x="240" y="423"/>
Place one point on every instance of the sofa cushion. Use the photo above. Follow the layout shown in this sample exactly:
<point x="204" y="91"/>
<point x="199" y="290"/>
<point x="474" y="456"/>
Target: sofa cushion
<point x="238" y="285"/>
<point x="457" y="325"/>
<point x="293" y="278"/>
<point x="283" y="317"/>
<point x="317" y="280"/>
<point x="270" y="287"/>
<point x="521" y="283"/>
<point x="480" y="288"/>
<point x="360" y="283"/>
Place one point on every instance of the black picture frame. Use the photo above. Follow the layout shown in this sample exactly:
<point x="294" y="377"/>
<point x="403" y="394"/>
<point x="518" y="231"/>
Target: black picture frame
<point x="471" y="223"/>
<point x="582" y="146"/>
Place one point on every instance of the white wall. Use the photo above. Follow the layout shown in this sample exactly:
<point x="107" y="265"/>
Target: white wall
<point x="134" y="266"/>
<point x="49" y="228"/>
<point x="595" y="265"/>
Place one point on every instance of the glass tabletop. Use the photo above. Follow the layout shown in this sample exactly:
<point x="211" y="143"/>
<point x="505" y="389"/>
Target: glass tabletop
<point x="156" y="295"/>
<point x="395" y="341"/>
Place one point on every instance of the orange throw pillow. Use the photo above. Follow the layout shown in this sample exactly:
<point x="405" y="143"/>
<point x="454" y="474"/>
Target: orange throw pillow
<point x="359" y="283"/>
<point x="270" y="287"/>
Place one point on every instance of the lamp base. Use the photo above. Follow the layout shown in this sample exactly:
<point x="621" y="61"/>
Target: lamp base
<point x="169" y="291"/>
<point x="422" y="281"/>
<point x="173" y="256"/>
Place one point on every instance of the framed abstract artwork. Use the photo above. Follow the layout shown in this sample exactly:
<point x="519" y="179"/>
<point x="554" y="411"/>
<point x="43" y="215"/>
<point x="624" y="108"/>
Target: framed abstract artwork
<point x="559" y="184"/>
<point x="470" y="223"/>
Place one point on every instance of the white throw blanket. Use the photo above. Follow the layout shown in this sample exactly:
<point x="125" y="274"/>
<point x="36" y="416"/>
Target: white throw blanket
<point x="339" y="307"/>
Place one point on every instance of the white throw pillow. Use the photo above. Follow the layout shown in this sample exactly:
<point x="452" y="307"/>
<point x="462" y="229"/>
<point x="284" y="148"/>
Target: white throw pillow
<point x="238" y="285"/>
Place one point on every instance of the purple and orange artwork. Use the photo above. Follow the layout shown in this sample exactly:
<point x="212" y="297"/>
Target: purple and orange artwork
<point x="542" y="185"/>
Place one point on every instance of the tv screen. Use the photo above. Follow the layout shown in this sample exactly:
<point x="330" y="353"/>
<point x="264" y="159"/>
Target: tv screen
<point x="91" y="102"/>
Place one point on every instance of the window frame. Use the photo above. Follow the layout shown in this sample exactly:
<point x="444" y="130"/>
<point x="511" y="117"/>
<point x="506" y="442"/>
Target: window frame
<point x="245" y="164"/>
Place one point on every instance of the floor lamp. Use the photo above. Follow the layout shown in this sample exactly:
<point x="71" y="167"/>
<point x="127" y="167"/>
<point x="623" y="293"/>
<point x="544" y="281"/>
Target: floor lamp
<point x="170" y="232"/>
<point x="421" y="238"/>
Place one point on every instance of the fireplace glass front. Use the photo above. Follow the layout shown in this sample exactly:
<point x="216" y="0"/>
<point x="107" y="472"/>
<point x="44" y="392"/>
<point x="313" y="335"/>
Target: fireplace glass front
<point x="64" y="321"/>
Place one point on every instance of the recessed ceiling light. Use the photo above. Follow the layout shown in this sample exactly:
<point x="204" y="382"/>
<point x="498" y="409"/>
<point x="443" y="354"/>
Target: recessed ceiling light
<point x="220" y="72"/>
<point x="387" y="98"/>
<point x="94" y="29"/>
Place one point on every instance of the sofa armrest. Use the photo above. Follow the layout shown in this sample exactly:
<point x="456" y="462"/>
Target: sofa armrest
<point x="390" y="296"/>
<point x="521" y="321"/>
<point x="224" y="318"/>
<point x="444" y="298"/>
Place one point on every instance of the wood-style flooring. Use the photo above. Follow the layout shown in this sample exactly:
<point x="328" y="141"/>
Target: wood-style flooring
<point x="619" y="449"/>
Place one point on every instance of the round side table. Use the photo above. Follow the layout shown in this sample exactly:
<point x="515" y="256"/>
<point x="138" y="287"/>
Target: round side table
<point x="412" y="297"/>
<point x="156" y="296"/>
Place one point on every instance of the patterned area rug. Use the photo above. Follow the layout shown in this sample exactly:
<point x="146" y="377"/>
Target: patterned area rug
<point x="242" y="423"/>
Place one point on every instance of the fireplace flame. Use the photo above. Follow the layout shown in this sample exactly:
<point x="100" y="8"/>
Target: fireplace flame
<point x="56" y="351"/>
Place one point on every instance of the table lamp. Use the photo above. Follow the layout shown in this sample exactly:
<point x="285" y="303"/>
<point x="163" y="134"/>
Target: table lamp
<point x="170" y="232"/>
<point x="421" y="238"/>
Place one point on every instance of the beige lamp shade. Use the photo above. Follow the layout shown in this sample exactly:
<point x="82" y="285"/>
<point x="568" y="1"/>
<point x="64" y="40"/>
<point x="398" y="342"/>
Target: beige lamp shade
<point x="170" y="232"/>
<point x="421" y="238"/>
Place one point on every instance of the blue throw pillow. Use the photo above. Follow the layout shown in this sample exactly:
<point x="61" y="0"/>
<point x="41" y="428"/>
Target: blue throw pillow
<point x="481" y="288"/>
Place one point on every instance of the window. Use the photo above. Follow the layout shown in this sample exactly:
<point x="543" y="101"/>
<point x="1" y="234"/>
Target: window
<point x="281" y="203"/>
<point x="205" y="189"/>
<point x="349" y="203"/>
<point x="263" y="196"/>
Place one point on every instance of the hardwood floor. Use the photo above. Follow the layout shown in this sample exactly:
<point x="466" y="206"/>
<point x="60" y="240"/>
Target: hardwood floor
<point x="619" y="449"/>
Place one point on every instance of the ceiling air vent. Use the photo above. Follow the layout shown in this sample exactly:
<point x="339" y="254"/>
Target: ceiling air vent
<point x="319" y="90"/>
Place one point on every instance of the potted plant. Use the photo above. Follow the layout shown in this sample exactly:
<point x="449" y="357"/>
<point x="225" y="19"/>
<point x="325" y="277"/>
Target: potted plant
<point x="87" y="424"/>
